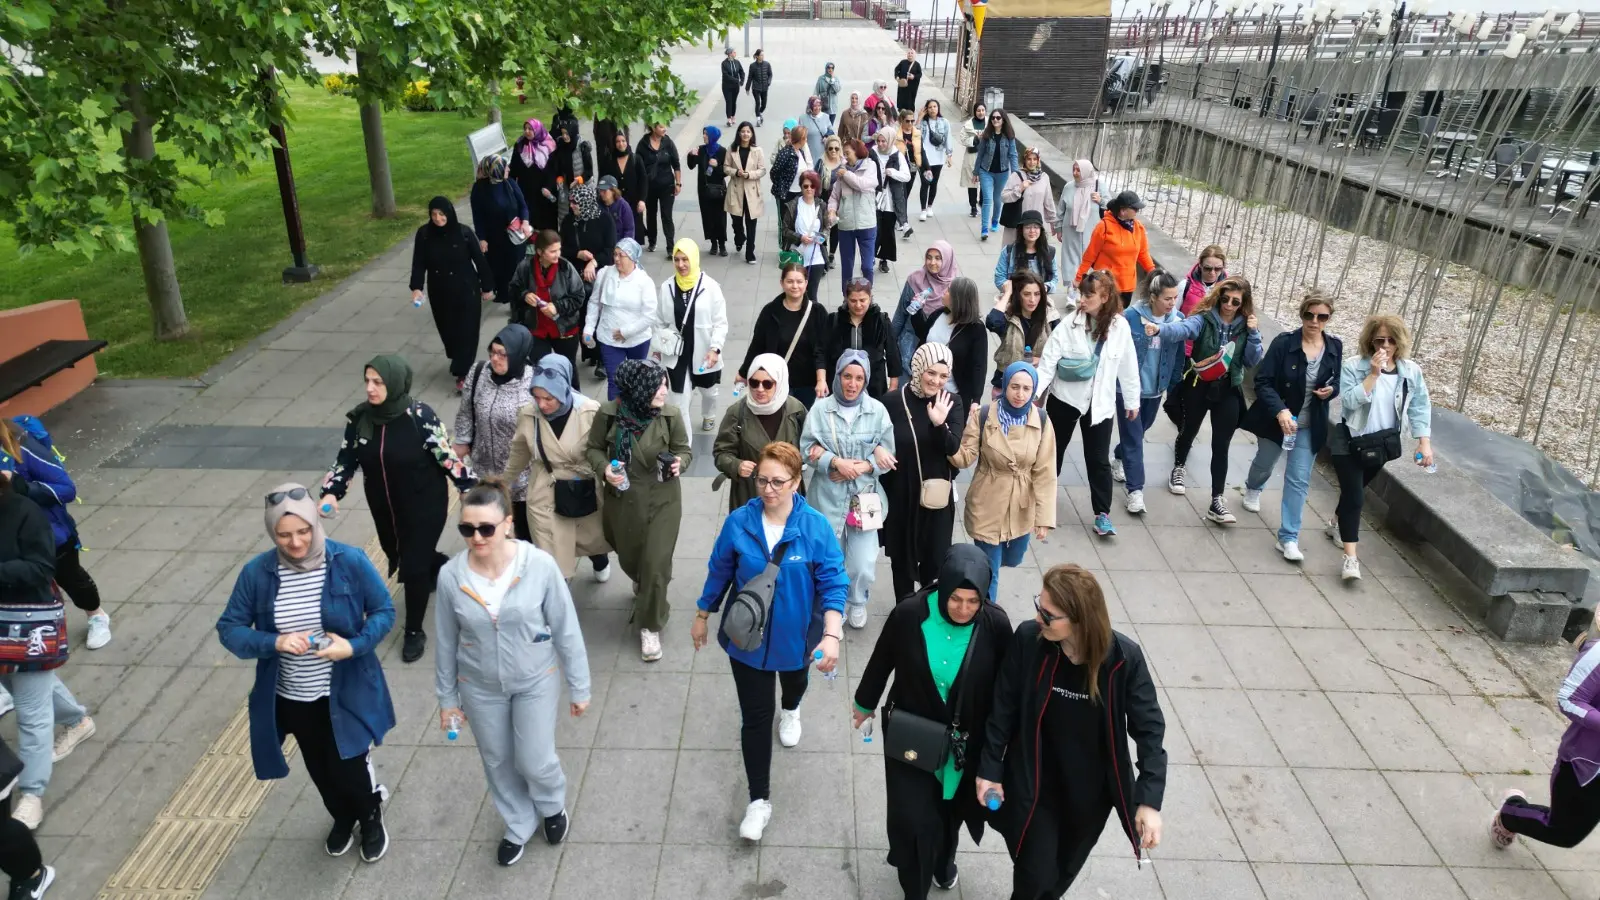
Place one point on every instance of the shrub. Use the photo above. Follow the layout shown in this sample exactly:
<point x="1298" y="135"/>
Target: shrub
<point x="340" y="85"/>
<point x="415" y="97"/>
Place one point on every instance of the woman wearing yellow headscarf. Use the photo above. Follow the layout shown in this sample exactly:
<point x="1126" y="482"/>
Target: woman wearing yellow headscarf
<point x="691" y="325"/>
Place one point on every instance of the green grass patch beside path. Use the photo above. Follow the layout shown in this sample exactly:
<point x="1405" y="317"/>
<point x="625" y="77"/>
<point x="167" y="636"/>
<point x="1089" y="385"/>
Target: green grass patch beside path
<point x="231" y="275"/>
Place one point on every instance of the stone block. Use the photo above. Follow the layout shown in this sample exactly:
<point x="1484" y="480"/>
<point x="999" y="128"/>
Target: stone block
<point x="1529" y="617"/>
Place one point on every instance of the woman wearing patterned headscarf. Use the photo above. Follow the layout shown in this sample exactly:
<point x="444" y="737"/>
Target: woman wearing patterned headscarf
<point x="928" y="424"/>
<point x="643" y="505"/>
<point x="446" y="259"/>
<point x="533" y="168"/>
<point x="405" y="459"/>
<point x="847" y="444"/>
<point x="497" y="205"/>
<point x="1013" y="493"/>
<point x="622" y="311"/>
<point x="923" y="297"/>
<point x="588" y="236"/>
<point x="486" y="422"/>
<point x="548" y="448"/>
<point x="332" y="699"/>
<point x="818" y="125"/>
<point x="766" y="413"/>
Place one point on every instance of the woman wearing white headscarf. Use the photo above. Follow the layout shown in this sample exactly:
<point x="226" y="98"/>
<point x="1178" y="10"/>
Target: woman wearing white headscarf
<point x="1077" y="213"/>
<point x="928" y="421"/>
<point x="563" y="506"/>
<point x="848" y="443"/>
<point x="765" y="413"/>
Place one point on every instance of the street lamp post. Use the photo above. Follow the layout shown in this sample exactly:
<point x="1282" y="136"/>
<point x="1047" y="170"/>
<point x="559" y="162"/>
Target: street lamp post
<point x="302" y="270"/>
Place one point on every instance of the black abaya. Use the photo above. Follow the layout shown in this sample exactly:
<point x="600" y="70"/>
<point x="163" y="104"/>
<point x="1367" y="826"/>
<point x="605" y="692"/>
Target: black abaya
<point x="447" y="263"/>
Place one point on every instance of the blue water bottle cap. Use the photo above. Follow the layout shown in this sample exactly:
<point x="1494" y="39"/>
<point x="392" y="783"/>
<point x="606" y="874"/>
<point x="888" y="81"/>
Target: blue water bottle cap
<point x="817" y="655"/>
<point x="993" y="802"/>
<point x="616" y="463"/>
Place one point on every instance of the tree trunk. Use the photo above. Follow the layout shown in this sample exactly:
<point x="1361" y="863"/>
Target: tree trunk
<point x="155" y="247"/>
<point x="494" y="102"/>
<point x="377" y="154"/>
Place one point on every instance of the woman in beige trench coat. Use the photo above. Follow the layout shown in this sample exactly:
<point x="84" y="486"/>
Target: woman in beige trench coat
<point x="746" y="166"/>
<point x="552" y="432"/>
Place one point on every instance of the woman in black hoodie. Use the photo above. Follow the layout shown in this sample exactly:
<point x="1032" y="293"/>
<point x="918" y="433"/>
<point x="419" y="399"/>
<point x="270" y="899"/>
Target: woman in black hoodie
<point x="944" y="647"/>
<point x="859" y="324"/>
<point x="1071" y="693"/>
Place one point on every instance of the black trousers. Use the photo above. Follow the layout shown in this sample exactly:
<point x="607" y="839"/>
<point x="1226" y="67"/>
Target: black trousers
<point x="1353" y="481"/>
<point x="1052" y="855"/>
<point x="417" y="591"/>
<point x="348" y="787"/>
<point x="814" y="276"/>
<point x="658" y="202"/>
<point x="928" y="185"/>
<point x="1573" y="812"/>
<point x="75" y="579"/>
<point x="1225" y="405"/>
<point x="909" y="573"/>
<point x="567" y="346"/>
<point x="458" y="325"/>
<point x="1096" y="448"/>
<point x="730" y="99"/>
<point x="761" y="100"/>
<point x="756" y="710"/>
<point x="972" y="197"/>
<point x="924" y="828"/>
<point x="744" y="233"/>
<point x="19" y="852"/>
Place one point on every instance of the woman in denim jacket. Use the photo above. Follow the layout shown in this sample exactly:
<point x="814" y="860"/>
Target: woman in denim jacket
<point x="1160" y="367"/>
<point x="1379" y="389"/>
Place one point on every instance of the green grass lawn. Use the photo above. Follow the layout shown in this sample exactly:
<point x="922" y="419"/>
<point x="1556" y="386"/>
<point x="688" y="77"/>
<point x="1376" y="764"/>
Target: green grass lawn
<point x="231" y="275"/>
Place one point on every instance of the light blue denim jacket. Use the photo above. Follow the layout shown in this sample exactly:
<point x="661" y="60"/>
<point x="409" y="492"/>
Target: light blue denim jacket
<point x="852" y="440"/>
<point x="1355" y="402"/>
<point x="1161" y="367"/>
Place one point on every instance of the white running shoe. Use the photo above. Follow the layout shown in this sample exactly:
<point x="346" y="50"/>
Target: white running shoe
<point x="1290" y="550"/>
<point x="923" y="217"/>
<point x="6" y="703"/>
<point x="69" y="738"/>
<point x="29" y="811"/>
<point x="1135" y="502"/>
<point x="1351" y="570"/>
<point x="1252" y="500"/>
<point x="1332" y="531"/>
<point x="756" y="817"/>
<point x="649" y="645"/>
<point x="99" y="631"/>
<point x="1116" y="470"/>
<point x="789" y="727"/>
<point x="856" y="616"/>
<point x="603" y="575"/>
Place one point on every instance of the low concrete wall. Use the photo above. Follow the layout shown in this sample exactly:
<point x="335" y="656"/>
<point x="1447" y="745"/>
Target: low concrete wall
<point x="27" y="327"/>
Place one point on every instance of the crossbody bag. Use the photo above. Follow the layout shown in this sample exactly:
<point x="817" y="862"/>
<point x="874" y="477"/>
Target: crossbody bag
<point x="798" y="331"/>
<point x="926" y="743"/>
<point x="1378" y="447"/>
<point x="575" y="497"/>
<point x="935" y="491"/>
<point x="866" y="510"/>
<point x="672" y="343"/>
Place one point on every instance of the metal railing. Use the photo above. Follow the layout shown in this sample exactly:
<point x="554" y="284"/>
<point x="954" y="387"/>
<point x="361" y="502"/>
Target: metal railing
<point x="925" y="35"/>
<point x="880" y="12"/>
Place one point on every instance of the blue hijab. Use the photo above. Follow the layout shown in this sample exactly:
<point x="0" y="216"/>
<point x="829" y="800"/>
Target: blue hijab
<point x="1013" y="415"/>
<point x="715" y="134"/>
<point x="553" y="372"/>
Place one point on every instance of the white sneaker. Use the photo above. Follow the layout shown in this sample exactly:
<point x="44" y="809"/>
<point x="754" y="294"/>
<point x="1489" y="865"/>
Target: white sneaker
<point x="856" y="616"/>
<point x="1116" y="470"/>
<point x="69" y="738"/>
<point x="649" y="645"/>
<point x="99" y="631"/>
<point x="789" y="727"/>
<point x="29" y="811"/>
<point x="756" y="817"/>
<point x="923" y="217"/>
<point x="1290" y="550"/>
<point x="603" y="575"/>
<point x="6" y="703"/>
<point x="1351" y="570"/>
<point x="1135" y="502"/>
<point x="1332" y="531"/>
<point x="1252" y="500"/>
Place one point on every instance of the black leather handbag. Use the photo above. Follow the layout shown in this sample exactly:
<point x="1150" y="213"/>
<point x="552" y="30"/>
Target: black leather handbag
<point x="1377" y="447"/>
<point x="923" y="742"/>
<point x="575" y="497"/>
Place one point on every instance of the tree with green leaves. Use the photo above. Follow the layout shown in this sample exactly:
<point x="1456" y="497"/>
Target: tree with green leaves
<point x="90" y="88"/>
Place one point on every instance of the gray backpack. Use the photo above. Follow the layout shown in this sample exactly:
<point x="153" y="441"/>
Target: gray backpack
<point x="747" y="614"/>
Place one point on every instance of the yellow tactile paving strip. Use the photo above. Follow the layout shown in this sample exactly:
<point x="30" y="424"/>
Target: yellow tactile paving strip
<point x="191" y="836"/>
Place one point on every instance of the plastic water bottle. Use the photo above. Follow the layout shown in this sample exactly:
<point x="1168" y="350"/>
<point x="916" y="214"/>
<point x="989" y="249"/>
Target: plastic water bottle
<point x="915" y="306"/>
<point x="866" y="732"/>
<point x="1430" y="468"/>
<point x="327" y="509"/>
<point x="617" y="469"/>
<point x="454" y="731"/>
<point x="832" y="675"/>
<point x="738" y="388"/>
<point x="992" y="799"/>
<point x="1027" y="353"/>
<point x="319" y="640"/>
<point x="417" y="303"/>
<point x="1289" y="440"/>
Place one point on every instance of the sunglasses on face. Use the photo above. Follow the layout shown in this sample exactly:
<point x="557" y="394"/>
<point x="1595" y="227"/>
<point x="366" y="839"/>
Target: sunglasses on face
<point x="1232" y="301"/>
<point x="1383" y="341"/>
<point x="1045" y="616"/>
<point x="1317" y="317"/>
<point x="276" y="497"/>
<point x="771" y="484"/>
<point x="483" y="531"/>
<point x="1211" y="268"/>
<point x="762" y="384"/>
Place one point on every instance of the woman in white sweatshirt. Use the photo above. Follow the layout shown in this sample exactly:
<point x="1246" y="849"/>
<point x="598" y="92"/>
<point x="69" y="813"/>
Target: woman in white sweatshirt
<point x="1088" y="355"/>
<point x="622" y="312"/>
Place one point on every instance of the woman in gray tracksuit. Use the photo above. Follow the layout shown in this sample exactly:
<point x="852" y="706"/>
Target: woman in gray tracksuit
<point x="505" y="621"/>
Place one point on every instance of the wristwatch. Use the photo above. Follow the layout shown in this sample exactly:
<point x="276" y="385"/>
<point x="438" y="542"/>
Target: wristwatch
<point x="702" y="615"/>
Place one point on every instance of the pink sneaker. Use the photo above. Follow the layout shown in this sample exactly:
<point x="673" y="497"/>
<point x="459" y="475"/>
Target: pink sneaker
<point x="1502" y="836"/>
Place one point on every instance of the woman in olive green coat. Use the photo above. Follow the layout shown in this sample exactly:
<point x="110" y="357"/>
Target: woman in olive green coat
<point x="766" y="413"/>
<point x="642" y="508"/>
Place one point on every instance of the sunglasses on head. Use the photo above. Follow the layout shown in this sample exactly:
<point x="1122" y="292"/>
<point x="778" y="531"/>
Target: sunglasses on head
<point x="1316" y="317"/>
<point x="483" y="531"/>
<point x="542" y="372"/>
<point x="762" y="384"/>
<point x="276" y="497"/>
<point x="1045" y="615"/>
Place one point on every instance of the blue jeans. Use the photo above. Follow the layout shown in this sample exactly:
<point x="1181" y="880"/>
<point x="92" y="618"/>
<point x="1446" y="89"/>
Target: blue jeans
<point x="860" y="564"/>
<point x="1296" y="480"/>
<point x="990" y="184"/>
<point x="1130" y="439"/>
<point x="43" y="702"/>
<point x="851" y="241"/>
<point x="1006" y="553"/>
<point x="612" y="357"/>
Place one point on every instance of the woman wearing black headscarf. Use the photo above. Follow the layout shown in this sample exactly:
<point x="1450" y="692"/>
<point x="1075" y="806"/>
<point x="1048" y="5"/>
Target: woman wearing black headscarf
<point x="486" y="422"/>
<point x="943" y="646"/>
<point x="405" y="460"/>
<point x="496" y="203"/>
<point x="643" y="504"/>
<point x="447" y="260"/>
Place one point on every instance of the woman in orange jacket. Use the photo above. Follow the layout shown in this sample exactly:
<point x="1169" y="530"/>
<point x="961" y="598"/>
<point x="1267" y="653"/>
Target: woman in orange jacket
<point x="1118" y="243"/>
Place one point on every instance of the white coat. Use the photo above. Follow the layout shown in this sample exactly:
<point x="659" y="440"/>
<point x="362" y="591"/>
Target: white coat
<point x="625" y="304"/>
<point x="710" y="323"/>
<point x="1119" y="363"/>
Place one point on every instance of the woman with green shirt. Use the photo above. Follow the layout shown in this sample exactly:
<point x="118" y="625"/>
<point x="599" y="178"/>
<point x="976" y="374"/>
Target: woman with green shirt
<point x="943" y="646"/>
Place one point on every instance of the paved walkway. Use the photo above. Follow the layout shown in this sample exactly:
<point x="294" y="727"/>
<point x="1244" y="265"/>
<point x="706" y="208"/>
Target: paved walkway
<point x="1325" y="741"/>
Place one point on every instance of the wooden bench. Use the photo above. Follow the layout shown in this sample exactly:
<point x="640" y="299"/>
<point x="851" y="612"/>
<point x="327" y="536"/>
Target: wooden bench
<point x="1535" y="587"/>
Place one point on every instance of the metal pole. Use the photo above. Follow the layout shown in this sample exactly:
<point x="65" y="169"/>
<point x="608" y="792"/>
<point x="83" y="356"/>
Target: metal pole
<point x="302" y="270"/>
<point x="762" y="18"/>
<point x="747" y="38"/>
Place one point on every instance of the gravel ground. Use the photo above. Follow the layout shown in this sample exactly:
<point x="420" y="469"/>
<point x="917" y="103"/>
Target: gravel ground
<point x="1277" y="250"/>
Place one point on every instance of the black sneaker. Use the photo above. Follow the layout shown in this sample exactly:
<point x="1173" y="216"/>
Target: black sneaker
<point x="33" y="887"/>
<point x="883" y="265"/>
<point x="374" y="837"/>
<point x="508" y="854"/>
<point x="340" y="838"/>
<point x="555" y="828"/>
<point x="411" y="649"/>
<point x="1175" y="480"/>
<point x="973" y="214"/>
<point x="944" y="881"/>
<point x="1218" y="512"/>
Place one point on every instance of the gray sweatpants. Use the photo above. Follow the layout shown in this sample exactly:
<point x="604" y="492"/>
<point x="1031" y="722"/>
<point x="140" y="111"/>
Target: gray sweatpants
<point x="516" y="735"/>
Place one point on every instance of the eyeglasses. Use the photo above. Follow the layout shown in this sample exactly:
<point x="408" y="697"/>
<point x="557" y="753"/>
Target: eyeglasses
<point x="1316" y="317"/>
<point x="1385" y="341"/>
<point x="1045" y="615"/>
<point x="484" y="531"/>
<point x="498" y="353"/>
<point x="762" y="384"/>
<point x="1211" y="268"/>
<point x="1232" y="301"/>
<point x="276" y="497"/>
<point x="771" y="484"/>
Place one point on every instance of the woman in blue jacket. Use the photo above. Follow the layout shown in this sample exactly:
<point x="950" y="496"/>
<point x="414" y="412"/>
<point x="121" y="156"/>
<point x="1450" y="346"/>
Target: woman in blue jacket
<point x="311" y="614"/>
<point x="806" y="616"/>
<point x="1160" y="365"/>
<point x="1294" y="384"/>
